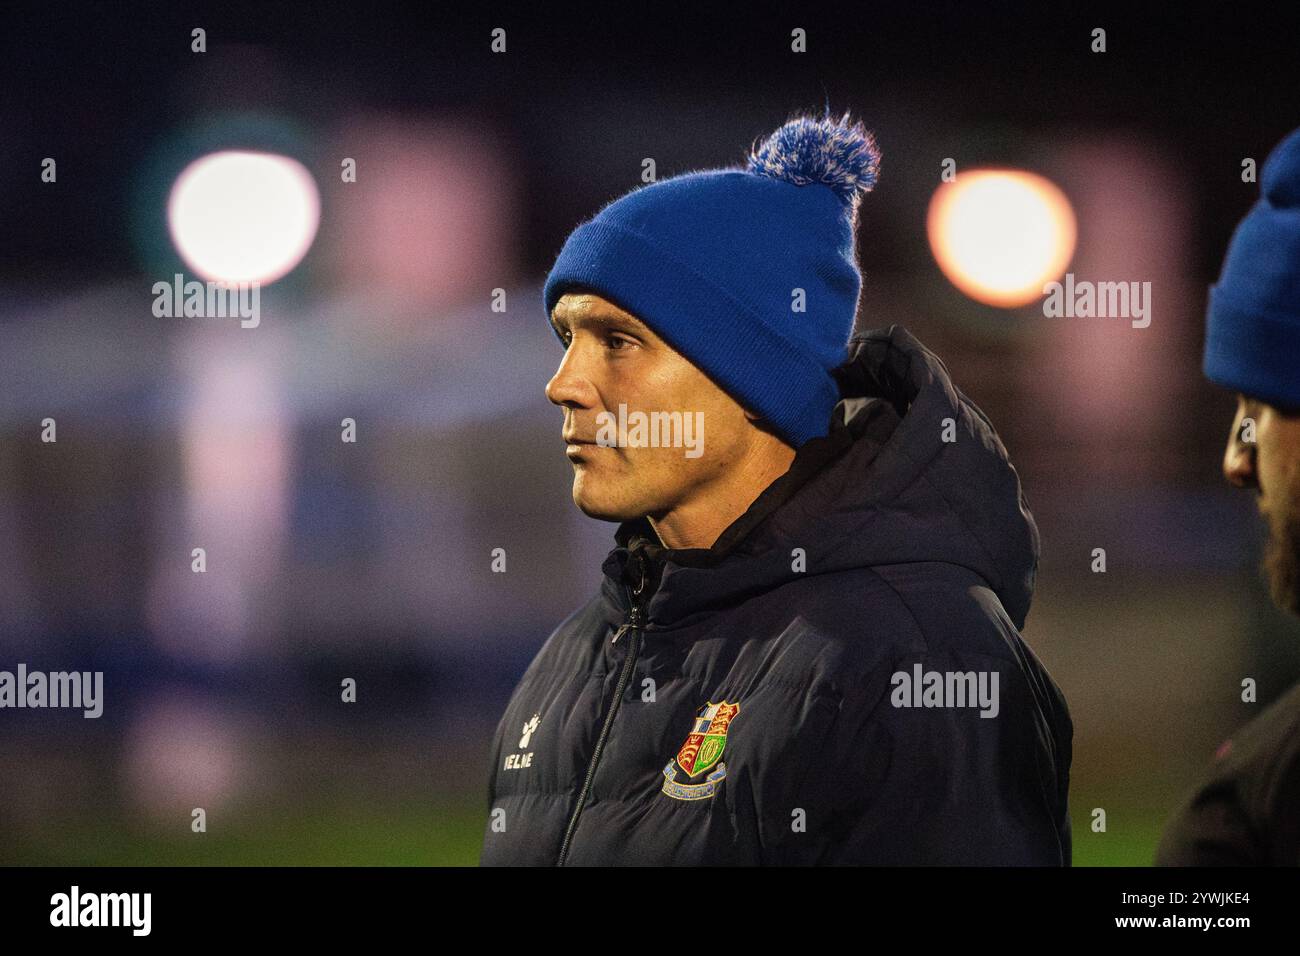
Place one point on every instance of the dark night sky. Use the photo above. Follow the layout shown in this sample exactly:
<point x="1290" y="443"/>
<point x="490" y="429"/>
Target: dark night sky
<point x="97" y="85"/>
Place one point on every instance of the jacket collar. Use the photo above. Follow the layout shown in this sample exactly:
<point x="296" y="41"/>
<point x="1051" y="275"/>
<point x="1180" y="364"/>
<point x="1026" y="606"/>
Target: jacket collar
<point x="882" y="487"/>
<point x="640" y="552"/>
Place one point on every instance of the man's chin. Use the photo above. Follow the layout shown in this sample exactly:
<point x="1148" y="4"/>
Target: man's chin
<point x="605" y="513"/>
<point x="595" y="505"/>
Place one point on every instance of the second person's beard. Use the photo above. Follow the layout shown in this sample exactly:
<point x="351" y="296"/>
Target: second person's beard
<point x="1282" y="555"/>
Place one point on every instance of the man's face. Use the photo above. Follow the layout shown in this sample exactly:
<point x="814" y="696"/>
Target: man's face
<point x="1271" y="465"/>
<point x="612" y="358"/>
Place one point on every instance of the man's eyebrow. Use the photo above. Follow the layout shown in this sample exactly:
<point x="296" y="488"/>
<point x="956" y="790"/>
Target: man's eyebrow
<point x="594" y="318"/>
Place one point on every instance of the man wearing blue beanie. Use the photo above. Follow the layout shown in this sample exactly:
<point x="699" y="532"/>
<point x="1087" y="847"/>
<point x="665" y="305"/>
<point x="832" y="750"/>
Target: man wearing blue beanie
<point x="805" y="646"/>
<point x="1247" y="810"/>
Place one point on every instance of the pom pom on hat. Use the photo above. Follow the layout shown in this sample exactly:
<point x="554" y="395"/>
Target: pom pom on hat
<point x="833" y="152"/>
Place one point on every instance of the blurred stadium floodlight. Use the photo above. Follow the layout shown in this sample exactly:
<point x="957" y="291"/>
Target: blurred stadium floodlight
<point x="1000" y="234"/>
<point x="242" y="216"/>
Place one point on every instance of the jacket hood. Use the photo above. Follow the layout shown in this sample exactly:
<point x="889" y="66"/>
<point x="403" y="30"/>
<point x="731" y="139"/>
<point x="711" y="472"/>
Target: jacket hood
<point x="883" y="487"/>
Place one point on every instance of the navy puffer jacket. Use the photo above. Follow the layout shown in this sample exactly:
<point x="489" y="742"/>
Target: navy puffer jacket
<point x="840" y="679"/>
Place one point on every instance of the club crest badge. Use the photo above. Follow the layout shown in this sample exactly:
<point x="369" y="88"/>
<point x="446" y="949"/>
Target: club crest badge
<point x="697" y="770"/>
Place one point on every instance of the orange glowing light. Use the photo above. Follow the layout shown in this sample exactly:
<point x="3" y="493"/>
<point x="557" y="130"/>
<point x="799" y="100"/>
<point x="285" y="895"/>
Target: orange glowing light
<point x="1000" y="234"/>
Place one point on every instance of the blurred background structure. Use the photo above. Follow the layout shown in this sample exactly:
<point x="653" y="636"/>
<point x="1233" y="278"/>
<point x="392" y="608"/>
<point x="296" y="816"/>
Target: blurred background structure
<point x="372" y="559"/>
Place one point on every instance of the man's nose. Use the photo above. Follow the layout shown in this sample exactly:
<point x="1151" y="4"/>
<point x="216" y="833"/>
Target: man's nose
<point x="1239" y="459"/>
<point x="569" y="387"/>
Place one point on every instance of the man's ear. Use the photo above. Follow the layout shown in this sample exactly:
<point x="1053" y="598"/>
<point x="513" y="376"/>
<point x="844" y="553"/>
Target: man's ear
<point x="760" y="422"/>
<point x="763" y="425"/>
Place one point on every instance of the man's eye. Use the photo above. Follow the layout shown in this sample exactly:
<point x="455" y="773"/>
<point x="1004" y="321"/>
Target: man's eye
<point x="614" y="342"/>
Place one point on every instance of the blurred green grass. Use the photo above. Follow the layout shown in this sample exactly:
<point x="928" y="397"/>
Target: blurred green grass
<point x="448" y="832"/>
<point x="1130" y="839"/>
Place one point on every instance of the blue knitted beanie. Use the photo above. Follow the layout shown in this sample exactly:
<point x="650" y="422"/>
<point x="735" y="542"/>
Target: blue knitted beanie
<point x="1252" y="342"/>
<point x="711" y="261"/>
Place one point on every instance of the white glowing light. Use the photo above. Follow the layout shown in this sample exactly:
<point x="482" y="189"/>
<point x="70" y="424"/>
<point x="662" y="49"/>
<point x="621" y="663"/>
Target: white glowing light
<point x="240" y="216"/>
<point x="1000" y="235"/>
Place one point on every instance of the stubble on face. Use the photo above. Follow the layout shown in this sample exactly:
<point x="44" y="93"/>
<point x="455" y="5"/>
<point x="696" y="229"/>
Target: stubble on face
<point x="617" y="361"/>
<point x="1273" y="468"/>
<point x="1282" y="553"/>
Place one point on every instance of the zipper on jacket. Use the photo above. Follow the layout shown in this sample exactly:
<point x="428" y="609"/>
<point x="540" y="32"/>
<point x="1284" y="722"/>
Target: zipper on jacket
<point x="634" y="624"/>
